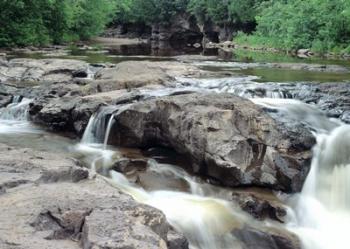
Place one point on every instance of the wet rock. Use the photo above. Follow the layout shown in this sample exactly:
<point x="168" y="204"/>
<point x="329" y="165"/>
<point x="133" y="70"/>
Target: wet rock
<point x="63" y="114"/>
<point x="227" y="138"/>
<point x="56" y="213"/>
<point x="151" y="181"/>
<point x="80" y="74"/>
<point x="333" y="98"/>
<point x="177" y="241"/>
<point x="125" y="165"/>
<point x="5" y="100"/>
<point x="269" y="239"/>
<point x="260" y="205"/>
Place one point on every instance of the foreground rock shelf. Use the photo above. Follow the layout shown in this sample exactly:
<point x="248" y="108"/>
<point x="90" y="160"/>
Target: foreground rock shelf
<point x="47" y="201"/>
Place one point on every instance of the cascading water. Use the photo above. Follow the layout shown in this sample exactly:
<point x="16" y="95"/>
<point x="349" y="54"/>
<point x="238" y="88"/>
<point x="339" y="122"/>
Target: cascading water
<point x="323" y="208"/>
<point x="96" y="128"/>
<point x="205" y="220"/>
<point x="18" y="110"/>
<point x="14" y="117"/>
<point x="301" y="112"/>
<point x="321" y="213"/>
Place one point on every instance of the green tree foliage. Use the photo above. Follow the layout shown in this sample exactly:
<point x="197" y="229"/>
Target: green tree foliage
<point x="38" y="22"/>
<point x="289" y="24"/>
<point x="225" y="11"/>
<point x="318" y="24"/>
<point x="148" y="11"/>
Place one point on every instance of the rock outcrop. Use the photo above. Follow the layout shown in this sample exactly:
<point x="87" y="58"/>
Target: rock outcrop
<point x="226" y="137"/>
<point x="331" y="99"/>
<point x="48" y="202"/>
<point x="33" y="71"/>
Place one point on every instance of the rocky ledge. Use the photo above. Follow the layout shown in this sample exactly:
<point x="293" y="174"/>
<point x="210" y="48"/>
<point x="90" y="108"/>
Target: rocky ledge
<point x="224" y="136"/>
<point x="49" y="201"/>
<point x="46" y="70"/>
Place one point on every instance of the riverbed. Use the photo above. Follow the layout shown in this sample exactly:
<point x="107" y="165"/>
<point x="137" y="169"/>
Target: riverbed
<point x="196" y="204"/>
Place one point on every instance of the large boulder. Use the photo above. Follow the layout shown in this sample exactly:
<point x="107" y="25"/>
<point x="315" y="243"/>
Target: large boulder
<point x="225" y="137"/>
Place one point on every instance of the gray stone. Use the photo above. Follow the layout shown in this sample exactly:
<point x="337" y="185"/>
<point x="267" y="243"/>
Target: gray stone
<point x="227" y="138"/>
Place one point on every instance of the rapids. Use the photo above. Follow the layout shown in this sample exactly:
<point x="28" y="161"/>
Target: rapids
<point x="320" y="215"/>
<point x="201" y="219"/>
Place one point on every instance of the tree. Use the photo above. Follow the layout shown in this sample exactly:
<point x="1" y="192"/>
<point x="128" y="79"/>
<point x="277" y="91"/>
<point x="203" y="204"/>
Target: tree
<point x="39" y="22"/>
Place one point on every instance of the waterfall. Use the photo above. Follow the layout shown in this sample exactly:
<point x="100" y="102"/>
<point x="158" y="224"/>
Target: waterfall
<point x="108" y="131"/>
<point x="320" y="215"/>
<point x="14" y="117"/>
<point x="300" y="112"/>
<point x="17" y="110"/>
<point x="323" y="208"/>
<point x="204" y="216"/>
<point x="330" y="181"/>
<point x="96" y="129"/>
<point x="206" y="221"/>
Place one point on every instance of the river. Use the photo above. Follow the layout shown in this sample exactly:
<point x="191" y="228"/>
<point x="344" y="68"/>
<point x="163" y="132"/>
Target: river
<point x="319" y="215"/>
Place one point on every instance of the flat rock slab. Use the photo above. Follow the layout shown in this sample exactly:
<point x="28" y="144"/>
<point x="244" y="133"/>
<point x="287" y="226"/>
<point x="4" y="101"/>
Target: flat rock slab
<point x="44" y="70"/>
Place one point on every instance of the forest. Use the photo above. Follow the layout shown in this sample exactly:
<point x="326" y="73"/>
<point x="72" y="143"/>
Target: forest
<point x="321" y="25"/>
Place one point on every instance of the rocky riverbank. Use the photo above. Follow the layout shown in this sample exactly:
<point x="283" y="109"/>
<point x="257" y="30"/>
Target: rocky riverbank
<point x="226" y="140"/>
<point x="50" y="201"/>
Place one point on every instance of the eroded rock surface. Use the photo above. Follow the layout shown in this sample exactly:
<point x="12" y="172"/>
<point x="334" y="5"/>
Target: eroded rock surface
<point x="226" y="137"/>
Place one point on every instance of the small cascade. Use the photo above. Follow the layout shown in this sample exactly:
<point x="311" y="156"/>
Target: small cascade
<point x="206" y="221"/>
<point x="14" y="117"/>
<point x="245" y="86"/>
<point x="300" y="112"/>
<point x="96" y="129"/>
<point x="91" y="72"/>
<point x="323" y="209"/>
<point x="17" y="110"/>
<point x="278" y="94"/>
<point x="108" y="131"/>
<point x="332" y="168"/>
<point x="17" y="99"/>
<point x="94" y="143"/>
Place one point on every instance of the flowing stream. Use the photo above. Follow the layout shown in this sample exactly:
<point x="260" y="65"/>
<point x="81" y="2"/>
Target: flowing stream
<point x="320" y="215"/>
<point x="204" y="219"/>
